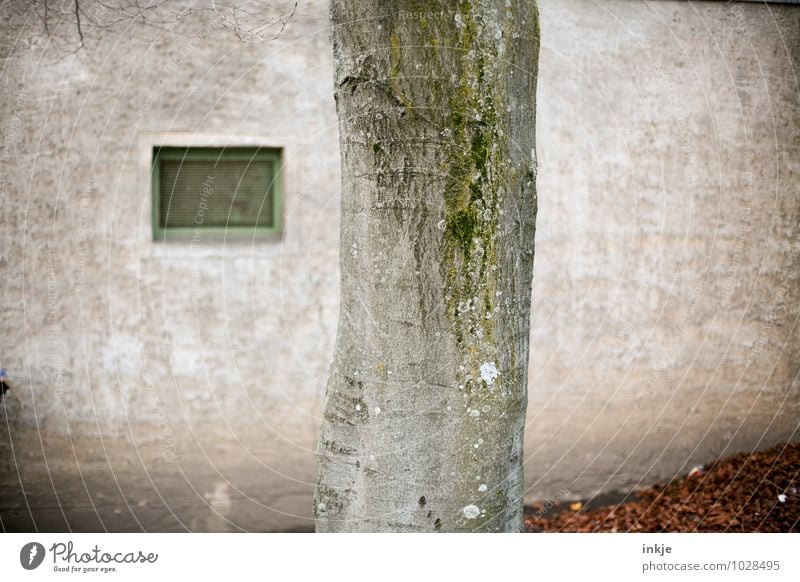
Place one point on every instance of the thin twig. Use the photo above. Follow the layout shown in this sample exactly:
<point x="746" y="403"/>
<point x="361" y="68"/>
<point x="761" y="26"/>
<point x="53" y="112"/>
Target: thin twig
<point x="78" y="20"/>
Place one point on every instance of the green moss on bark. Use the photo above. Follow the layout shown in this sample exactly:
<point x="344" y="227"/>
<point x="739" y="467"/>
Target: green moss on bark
<point x="476" y="168"/>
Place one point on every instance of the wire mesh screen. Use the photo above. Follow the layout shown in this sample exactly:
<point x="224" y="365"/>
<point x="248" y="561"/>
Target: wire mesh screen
<point x="216" y="193"/>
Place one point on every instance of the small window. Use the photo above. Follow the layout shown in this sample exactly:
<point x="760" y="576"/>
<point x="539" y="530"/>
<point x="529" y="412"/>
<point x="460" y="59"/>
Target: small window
<point x="227" y="191"/>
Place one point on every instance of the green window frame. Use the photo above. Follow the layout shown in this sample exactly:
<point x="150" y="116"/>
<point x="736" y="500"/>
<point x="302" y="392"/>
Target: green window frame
<point x="241" y="195"/>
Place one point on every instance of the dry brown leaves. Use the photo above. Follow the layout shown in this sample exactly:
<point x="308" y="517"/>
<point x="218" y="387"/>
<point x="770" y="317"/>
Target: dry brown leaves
<point x="755" y="492"/>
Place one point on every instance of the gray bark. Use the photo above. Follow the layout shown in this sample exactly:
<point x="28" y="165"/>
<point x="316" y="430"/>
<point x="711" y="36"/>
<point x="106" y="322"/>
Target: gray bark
<point x="425" y="405"/>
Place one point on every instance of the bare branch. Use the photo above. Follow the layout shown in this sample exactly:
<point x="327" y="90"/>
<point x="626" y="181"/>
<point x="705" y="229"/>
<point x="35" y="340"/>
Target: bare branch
<point x="249" y="20"/>
<point x="78" y="21"/>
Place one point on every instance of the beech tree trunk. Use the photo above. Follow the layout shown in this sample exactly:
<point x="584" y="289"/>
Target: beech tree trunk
<point x="425" y="405"/>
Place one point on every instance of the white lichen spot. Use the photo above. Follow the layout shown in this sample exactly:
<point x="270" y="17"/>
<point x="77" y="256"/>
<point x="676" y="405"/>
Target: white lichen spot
<point x="377" y="410"/>
<point x="474" y="413"/>
<point x="489" y="373"/>
<point x="471" y="511"/>
<point x="482" y="487"/>
<point x="441" y="224"/>
<point x="459" y="21"/>
<point x="358" y="407"/>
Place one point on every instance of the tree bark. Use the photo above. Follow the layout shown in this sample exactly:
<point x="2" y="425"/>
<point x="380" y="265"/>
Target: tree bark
<point x="425" y="405"/>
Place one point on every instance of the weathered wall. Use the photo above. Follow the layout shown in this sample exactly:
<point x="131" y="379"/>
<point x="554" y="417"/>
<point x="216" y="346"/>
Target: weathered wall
<point x="666" y="286"/>
<point x="170" y="387"/>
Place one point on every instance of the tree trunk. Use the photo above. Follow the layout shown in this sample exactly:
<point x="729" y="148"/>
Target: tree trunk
<point x="425" y="405"/>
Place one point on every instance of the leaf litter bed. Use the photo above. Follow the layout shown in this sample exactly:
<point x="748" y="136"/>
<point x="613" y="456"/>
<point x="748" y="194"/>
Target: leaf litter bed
<point x="748" y="492"/>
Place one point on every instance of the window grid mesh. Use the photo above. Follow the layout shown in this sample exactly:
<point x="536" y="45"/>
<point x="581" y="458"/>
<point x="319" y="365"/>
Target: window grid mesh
<point x="216" y="193"/>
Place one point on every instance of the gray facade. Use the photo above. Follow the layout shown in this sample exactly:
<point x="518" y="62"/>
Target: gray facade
<point x="172" y="386"/>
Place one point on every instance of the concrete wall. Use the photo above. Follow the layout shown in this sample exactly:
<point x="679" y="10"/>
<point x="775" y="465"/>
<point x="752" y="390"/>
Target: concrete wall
<point x="666" y="285"/>
<point x="163" y="386"/>
<point x="176" y="386"/>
